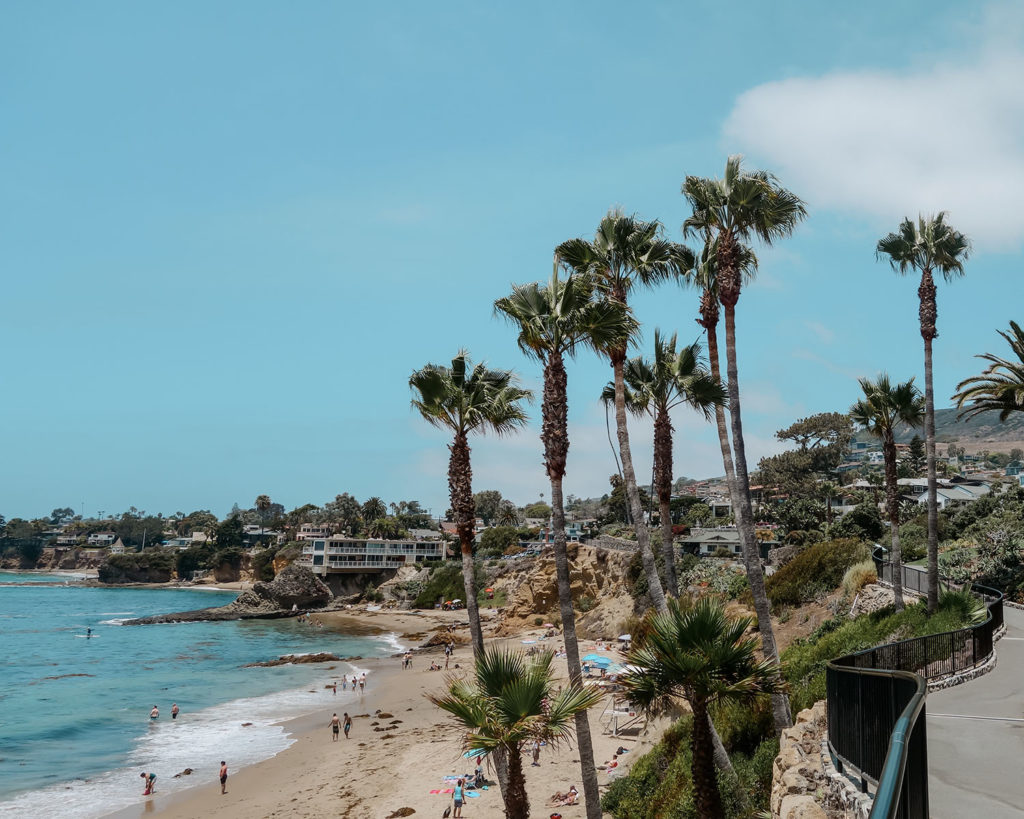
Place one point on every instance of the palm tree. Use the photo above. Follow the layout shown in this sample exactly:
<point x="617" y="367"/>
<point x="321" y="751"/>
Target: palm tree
<point x="263" y="503"/>
<point x="508" y="515"/>
<point x="828" y="491"/>
<point x="464" y="399"/>
<point x="374" y="508"/>
<point x="509" y="702"/>
<point x="729" y="212"/>
<point x="624" y="254"/>
<point x="1000" y="387"/>
<point x="673" y="378"/>
<point x="705" y="276"/>
<point x="884" y="407"/>
<point x="929" y="246"/>
<point x="554" y="320"/>
<point x="696" y="652"/>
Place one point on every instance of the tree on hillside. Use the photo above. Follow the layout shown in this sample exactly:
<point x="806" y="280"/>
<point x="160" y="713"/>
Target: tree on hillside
<point x="656" y="387"/>
<point x="821" y="441"/>
<point x="626" y="254"/>
<point x="488" y="502"/>
<point x="62" y="515"/>
<point x="374" y="508"/>
<point x="345" y="511"/>
<point x="537" y="510"/>
<point x="508" y="702"/>
<point x="928" y="246"/>
<point x="263" y="504"/>
<point x="554" y="320"/>
<point x="508" y="515"/>
<point x="732" y="211"/>
<point x="695" y="652"/>
<point x="917" y="457"/>
<point x="465" y="399"/>
<point x="882" y="409"/>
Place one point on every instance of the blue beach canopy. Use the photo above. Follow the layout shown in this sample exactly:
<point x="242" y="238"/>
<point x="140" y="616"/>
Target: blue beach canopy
<point x="597" y="659"/>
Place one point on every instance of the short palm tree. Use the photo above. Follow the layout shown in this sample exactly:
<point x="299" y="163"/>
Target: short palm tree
<point x="263" y="503"/>
<point x="928" y="246"/>
<point x="627" y="253"/>
<point x="374" y="508"/>
<point x="553" y="321"/>
<point x="697" y="653"/>
<point x="1000" y="387"/>
<point x="509" y="702"/>
<point x="883" y="408"/>
<point x="508" y="515"/>
<point x="730" y="212"/>
<point x="465" y="399"/>
<point x="673" y="378"/>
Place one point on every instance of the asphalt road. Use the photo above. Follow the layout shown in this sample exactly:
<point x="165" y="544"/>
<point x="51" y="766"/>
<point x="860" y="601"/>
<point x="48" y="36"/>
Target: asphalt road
<point x="976" y="738"/>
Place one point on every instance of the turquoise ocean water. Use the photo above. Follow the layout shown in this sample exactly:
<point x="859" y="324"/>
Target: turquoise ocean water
<point x="74" y="712"/>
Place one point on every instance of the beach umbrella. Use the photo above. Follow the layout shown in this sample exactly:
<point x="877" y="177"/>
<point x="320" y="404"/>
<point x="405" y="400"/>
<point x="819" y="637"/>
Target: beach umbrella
<point x="548" y="625"/>
<point x="598" y="660"/>
<point x="457" y="600"/>
<point x="624" y="638"/>
<point x="475" y="752"/>
<point x="488" y="590"/>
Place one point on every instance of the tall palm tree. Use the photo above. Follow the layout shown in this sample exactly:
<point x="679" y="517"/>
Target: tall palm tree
<point x="627" y="253"/>
<point x="705" y="276"/>
<point x="1000" y="387"/>
<point x="509" y="702"/>
<point x="928" y="246"/>
<point x="696" y="652"/>
<point x="672" y="379"/>
<point x="730" y="212"/>
<point x="263" y="503"/>
<point x="553" y="321"/>
<point x="465" y="399"/>
<point x="374" y="508"/>
<point x="885" y="406"/>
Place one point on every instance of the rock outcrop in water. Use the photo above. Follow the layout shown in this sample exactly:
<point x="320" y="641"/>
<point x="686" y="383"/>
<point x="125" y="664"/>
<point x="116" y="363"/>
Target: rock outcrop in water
<point x="296" y="586"/>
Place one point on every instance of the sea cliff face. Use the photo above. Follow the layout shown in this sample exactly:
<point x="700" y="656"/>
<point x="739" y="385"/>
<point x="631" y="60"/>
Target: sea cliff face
<point x="70" y="558"/>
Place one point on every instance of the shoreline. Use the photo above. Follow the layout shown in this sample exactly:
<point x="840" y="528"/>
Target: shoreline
<point x="400" y="749"/>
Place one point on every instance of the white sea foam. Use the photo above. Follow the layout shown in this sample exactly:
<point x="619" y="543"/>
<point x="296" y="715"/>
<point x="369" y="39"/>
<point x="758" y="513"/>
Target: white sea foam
<point x="391" y="641"/>
<point x="198" y="741"/>
<point x="116" y="621"/>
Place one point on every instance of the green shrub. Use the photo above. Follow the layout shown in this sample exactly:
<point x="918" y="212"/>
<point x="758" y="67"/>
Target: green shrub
<point x="913" y="541"/>
<point x="445" y="582"/>
<point x="584" y="604"/>
<point x="815" y="571"/>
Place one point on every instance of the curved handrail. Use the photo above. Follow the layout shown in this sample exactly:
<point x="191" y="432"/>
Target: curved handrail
<point x="891" y="775"/>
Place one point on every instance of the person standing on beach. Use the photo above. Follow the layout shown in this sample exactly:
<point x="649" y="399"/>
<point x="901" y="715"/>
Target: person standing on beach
<point x="155" y="713"/>
<point x="223" y="776"/>
<point x="458" y="798"/>
<point x="362" y="682"/>
<point x="348" y="724"/>
<point x="336" y="726"/>
<point x="174" y="710"/>
<point x="536" y="752"/>
<point x="150" y="779"/>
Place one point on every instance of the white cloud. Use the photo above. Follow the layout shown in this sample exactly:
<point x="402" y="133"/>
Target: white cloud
<point x="824" y="334"/>
<point x="889" y="144"/>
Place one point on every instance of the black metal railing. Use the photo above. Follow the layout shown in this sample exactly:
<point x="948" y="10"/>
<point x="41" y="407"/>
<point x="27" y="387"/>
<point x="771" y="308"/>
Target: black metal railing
<point x="876" y="702"/>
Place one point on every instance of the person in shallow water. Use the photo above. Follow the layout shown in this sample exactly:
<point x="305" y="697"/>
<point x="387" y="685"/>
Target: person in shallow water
<point x="150" y="779"/>
<point x="155" y="713"/>
<point x="174" y="710"/>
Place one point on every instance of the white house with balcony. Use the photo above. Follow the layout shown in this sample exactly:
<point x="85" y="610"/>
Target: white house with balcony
<point x="348" y="555"/>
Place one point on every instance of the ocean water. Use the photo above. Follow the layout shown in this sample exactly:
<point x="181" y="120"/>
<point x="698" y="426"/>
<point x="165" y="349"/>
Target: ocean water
<point x="74" y="711"/>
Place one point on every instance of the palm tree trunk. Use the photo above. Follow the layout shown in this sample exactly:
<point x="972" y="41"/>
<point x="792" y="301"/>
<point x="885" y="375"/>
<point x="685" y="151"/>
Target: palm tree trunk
<point x="781" y="712"/>
<point x="933" y="500"/>
<point x="663" y="486"/>
<point x="555" y="435"/>
<point x="893" y="508"/>
<point x="705" y="785"/>
<point x="723" y="428"/>
<point x="633" y="493"/>
<point x="460" y="491"/>
<point x="517" y="804"/>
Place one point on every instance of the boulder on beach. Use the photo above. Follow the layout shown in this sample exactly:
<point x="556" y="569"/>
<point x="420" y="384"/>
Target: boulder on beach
<point x="294" y="586"/>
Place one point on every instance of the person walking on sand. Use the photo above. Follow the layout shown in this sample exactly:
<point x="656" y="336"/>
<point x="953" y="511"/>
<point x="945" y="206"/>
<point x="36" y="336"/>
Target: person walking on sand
<point x="458" y="797"/>
<point x="335" y="727"/>
<point x="348" y="724"/>
<point x="150" y="780"/>
<point x="536" y="753"/>
<point x="223" y="776"/>
<point x="174" y="710"/>
<point x="155" y="713"/>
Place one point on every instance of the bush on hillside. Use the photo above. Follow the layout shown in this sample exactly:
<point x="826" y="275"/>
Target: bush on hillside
<point x="151" y="566"/>
<point x="913" y="541"/>
<point x="445" y="583"/>
<point x="815" y="571"/>
<point x="864" y="522"/>
<point x="858" y="576"/>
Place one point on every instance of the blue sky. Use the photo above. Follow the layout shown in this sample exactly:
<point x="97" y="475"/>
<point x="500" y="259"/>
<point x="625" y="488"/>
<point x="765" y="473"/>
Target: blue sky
<point x="230" y="231"/>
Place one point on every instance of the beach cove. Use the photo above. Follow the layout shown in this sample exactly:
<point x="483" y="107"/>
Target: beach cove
<point x="74" y="708"/>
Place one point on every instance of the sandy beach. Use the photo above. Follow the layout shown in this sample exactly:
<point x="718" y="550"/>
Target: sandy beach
<point x="401" y="746"/>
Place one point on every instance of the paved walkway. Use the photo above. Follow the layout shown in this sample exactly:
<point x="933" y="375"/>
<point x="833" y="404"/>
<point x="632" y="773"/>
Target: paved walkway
<point x="976" y="738"/>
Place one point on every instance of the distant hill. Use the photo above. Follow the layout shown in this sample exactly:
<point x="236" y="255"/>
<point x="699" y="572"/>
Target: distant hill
<point x="983" y="427"/>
